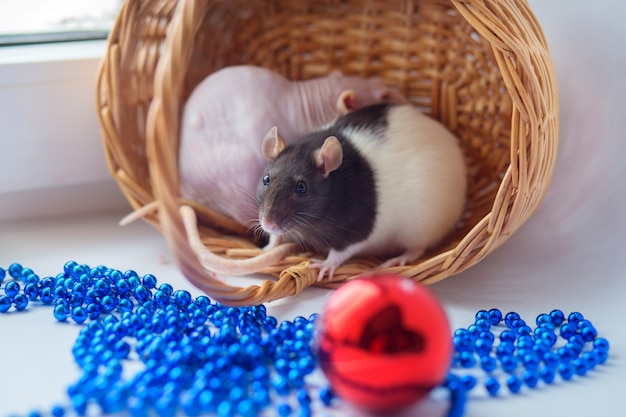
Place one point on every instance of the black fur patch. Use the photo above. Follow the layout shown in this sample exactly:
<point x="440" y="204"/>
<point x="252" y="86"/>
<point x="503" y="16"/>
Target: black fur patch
<point x="372" y="118"/>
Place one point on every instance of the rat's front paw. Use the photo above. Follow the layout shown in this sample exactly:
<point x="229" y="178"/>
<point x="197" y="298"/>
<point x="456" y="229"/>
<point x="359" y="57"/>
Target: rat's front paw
<point x="324" y="267"/>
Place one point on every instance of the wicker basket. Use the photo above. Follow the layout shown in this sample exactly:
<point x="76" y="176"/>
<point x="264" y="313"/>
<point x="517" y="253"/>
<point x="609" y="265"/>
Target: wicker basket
<point x="481" y="67"/>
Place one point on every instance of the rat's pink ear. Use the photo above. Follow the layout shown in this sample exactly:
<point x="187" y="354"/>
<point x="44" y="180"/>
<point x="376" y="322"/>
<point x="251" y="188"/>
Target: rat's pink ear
<point x="389" y="95"/>
<point x="272" y="145"/>
<point x="329" y="156"/>
<point x="346" y="102"/>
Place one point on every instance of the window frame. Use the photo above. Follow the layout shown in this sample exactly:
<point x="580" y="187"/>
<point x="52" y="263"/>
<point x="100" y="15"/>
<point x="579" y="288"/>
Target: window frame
<point x="53" y="160"/>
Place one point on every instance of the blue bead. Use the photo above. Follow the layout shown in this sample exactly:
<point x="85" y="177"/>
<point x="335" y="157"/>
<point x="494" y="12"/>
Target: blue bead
<point x="15" y="270"/>
<point x="549" y="337"/>
<point x="509" y="317"/>
<point x="79" y="403"/>
<point x="566" y="354"/>
<point x="182" y="298"/>
<point x="483" y="325"/>
<point x="225" y="409"/>
<point x="281" y="385"/>
<point x="589" y="333"/>
<point x="540" y="348"/>
<point x="3" y="274"/>
<point x="580" y="366"/>
<point x="568" y="330"/>
<point x="46" y="296"/>
<point x="149" y="281"/>
<point x="507" y="336"/>
<point x="601" y="343"/>
<point x="108" y="304"/>
<point x="468" y="382"/>
<point x="574" y="348"/>
<point x="495" y="316"/>
<point x="303" y="397"/>
<point x="326" y="395"/>
<point x="134" y="281"/>
<point x="509" y="363"/>
<point x="488" y="337"/>
<point x="488" y="363"/>
<point x="467" y="359"/>
<point x="102" y="287"/>
<point x="79" y="288"/>
<point x="68" y="284"/>
<point x="530" y="362"/>
<point x="130" y="274"/>
<point x="514" y="383"/>
<point x="590" y="360"/>
<point x="166" y="289"/>
<point x="462" y="343"/>
<point x="61" y="312"/>
<point x="295" y="378"/>
<point x="123" y="287"/>
<point x="525" y="342"/>
<point x="284" y="410"/>
<point x="20" y="301"/>
<point x="125" y="305"/>
<point x="11" y="289"/>
<point x="492" y="385"/>
<point x="482" y="315"/>
<point x="261" y="398"/>
<point x="530" y="378"/>
<point x="474" y="330"/>
<point x="161" y="299"/>
<point x="505" y="349"/>
<point x="246" y="408"/>
<point x="32" y="291"/>
<point x="566" y="371"/>
<point x="115" y="275"/>
<point x="575" y="317"/>
<point x="547" y="374"/>
<point x="524" y="330"/>
<point x="57" y="411"/>
<point x="543" y="319"/>
<point x="551" y="359"/>
<point x="601" y="355"/>
<point x="93" y="311"/>
<point x="48" y="282"/>
<point x="557" y="317"/>
<point x="79" y="270"/>
<point x="5" y="303"/>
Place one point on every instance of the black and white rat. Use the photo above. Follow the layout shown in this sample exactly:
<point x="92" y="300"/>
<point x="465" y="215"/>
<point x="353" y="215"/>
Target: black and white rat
<point x="384" y="180"/>
<point x="228" y="113"/>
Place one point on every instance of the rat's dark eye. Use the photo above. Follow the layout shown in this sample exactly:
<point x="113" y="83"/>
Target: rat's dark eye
<point x="301" y="187"/>
<point x="266" y="180"/>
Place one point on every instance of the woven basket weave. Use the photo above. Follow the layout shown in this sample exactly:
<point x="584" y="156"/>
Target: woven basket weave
<point x="481" y="67"/>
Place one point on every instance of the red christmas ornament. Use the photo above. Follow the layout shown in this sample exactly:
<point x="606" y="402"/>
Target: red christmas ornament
<point x="385" y="342"/>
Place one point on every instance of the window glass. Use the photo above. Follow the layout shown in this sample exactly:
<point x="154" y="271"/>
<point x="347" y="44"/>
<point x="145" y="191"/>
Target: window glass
<point x="31" y="21"/>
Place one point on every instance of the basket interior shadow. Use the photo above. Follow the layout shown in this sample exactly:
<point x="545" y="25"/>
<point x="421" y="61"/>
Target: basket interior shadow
<point x="482" y="68"/>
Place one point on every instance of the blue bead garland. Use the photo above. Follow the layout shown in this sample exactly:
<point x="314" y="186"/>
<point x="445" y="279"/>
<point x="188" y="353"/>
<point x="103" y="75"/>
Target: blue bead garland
<point x="559" y="346"/>
<point x="202" y="357"/>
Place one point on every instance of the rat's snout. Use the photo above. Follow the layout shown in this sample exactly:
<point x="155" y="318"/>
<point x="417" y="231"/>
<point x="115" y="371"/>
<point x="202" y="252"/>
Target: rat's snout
<point x="270" y="225"/>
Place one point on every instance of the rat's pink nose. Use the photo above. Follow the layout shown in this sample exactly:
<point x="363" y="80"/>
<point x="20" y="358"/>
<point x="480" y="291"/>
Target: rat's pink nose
<point x="270" y="226"/>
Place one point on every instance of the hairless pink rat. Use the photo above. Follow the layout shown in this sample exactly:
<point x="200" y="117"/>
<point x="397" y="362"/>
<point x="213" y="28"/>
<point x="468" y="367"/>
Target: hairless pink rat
<point x="228" y="114"/>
